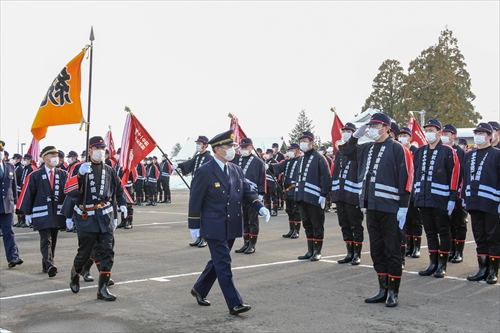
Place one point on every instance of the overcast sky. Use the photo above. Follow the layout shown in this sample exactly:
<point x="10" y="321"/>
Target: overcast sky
<point x="183" y="66"/>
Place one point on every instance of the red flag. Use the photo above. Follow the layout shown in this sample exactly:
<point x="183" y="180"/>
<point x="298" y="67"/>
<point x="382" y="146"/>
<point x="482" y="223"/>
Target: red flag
<point x="110" y="143"/>
<point x="137" y="143"/>
<point x="34" y="150"/>
<point x="417" y="135"/>
<point x="336" y="131"/>
<point x="238" y="132"/>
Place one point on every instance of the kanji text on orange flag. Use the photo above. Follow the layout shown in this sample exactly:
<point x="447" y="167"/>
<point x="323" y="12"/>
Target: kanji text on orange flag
<point x="61" y="104"/>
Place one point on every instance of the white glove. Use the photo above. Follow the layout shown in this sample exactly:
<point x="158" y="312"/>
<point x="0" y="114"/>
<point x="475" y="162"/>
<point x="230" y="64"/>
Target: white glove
<point x="115" y="223"/>
<point x="463" y="205"/>
<point x="84" y="168"/>
<point x="123" y="209"/>
<point x="69" y="224"/>
<point x="401" y="216"/>
<point x="322" y="202"/>
<point x="451" y="207"/>
<point x="265" y="212"/>
<point x="262" y="197"/>
<point x="28" y="220"/>
<point x="174" y="166"/>
<point x="360" y="131"/>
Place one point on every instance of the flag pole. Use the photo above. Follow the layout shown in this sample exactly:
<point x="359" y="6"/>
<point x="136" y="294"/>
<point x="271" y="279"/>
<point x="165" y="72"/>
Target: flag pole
<point x="87" y="125"/>
<point x="169" y="161"/>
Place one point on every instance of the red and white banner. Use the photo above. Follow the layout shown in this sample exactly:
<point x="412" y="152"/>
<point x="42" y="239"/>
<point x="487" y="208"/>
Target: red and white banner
<point x="110" y="143"/>
<point x="34" y="150"/>
<point x="417" y="135"/>
<point x="238" y="132"/>
<point x="336" y="131"/>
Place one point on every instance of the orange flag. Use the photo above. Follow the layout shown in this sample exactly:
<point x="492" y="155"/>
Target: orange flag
<point x="61" y="105"/>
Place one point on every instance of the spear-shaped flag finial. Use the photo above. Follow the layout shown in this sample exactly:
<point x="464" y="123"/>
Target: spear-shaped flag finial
<point x="92" y="34"/>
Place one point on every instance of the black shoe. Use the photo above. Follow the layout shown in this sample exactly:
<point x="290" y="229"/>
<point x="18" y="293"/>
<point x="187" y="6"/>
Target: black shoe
<point x="240" y="309"/>
<point x="52" y="271"/>
<point x="201" y="301"/>
<point x="196" y="242"/>
<point x="15" y="261"/>
<point x="74" y="283"/>
<point x="202" y="243"/>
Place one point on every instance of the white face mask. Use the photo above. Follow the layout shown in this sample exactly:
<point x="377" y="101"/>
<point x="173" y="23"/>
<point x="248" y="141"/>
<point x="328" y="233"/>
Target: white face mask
<point x="269" y="156"/>
<point x="494" y="136"/>
<point x="117" y="157"/>
<point x="199" y="148"/>
<point x="230" y="152"/>
<point x="462" y="146"/>
<point x="431" y="137"/>
<point x="445" y="140"/>
<point x="346" y="136"/>
<point x="290" y="154"/>
<point x="54" y="161"/>
<point x="479" y="140"/>
<point x="404" y="141"/>
<point x="24" y="162"/>
<point x="69" y="160"/>
<point x="245" y="152"/>
<point x="149" y="162"/>
<point x="304" y="146"/>
<point x="373" y="133"/>
<point x="275" y="150"/>
<point x="99" y="155"/>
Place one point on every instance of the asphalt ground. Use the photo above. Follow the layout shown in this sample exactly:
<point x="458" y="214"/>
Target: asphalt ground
<point x="155" y="269"/>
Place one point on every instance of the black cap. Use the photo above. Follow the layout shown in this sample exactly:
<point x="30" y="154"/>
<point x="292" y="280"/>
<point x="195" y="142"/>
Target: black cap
<point x="275" y="145"/>
<point x="225" y="138"/>
<point x="349" y="126"/>
<point x="293" y="146"/>
<point x="322" y="148"/>
<point x="16" y="155"/>
<point x="49" y="150"/>
<point x="107" y="151"/>
<point x="433" y="122"/>
<point x="395" y="128"/>
<point x="450" y="128"/>
<point x="380" y="118"/>
<point x="405" y="130"/>
<point x="462" y="142"/>
<point x="203" y="139"/>
<point x="155" y="158"/>
<point x="269" y="150"/>
<point x="97" y="141"/>
<point x="484" y="127"/>
<point x="28" y="156"/>
<point x="60" y="153"/>
<point x="149" y="158"/>
<point x="119" y="150"/>
<point x="6" y="153"/>
<point x="495" y="125"/>
<point x="259" y="150"/>
<point x="307" y="135"/>
<point x="245" y="142"/>
<point x="72" y="153"/>
<point x="84" y="153"/>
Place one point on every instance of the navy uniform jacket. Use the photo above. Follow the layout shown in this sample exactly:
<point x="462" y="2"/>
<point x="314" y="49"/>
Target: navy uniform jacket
<point x="165" y="170"/>
<point x="481" y="188"/>
<point x="18" y="171"/>
<point x="141" y="171"/>
<point x="313" y="179"/>
<point x="26" y="171"/>
<point x="290" y="170"/>
<point x="345" y="185"/>
<point x="434" y="189"/>
<point x="194" y="163"/>
<point x="215" y="202"/>
<point x="9" y="190"/>
<point x="99" y="220"/>
<point x="253" y="170"/>
<point x="41" y="202"/>
<point x="390" y="180"/>
<point x="151" y="176"/>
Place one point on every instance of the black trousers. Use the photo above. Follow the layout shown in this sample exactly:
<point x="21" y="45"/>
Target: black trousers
<point x="250" y="220"/>
<point x="48" y="240"/>
<point x="486" y="231"/>
<point x="437" y="229"/>
<point x="165" y="185"/>
<point x="385" y="242"/>
<point x="150" y="191"/>
<point x="292" y="209"/>
<point x="139" y="189"/>
<point x="458" y="221"/>
<point x="413" y="224"/>
<point x="103" y="243"/>
<point x="271" y="198"/>
<point x="350" y="221"/>
<point x="313" y="220"/>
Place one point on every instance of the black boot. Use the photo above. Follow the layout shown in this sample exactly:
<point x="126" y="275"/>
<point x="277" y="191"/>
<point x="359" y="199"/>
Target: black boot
<point x="309" y="252"/>
<point x="356" y="259"/>
<point x="392" y="292"/>
<point x="196" y="242"/>
<point x="409" y="245"/>
<point x="459" y="252"/>
<point x="442" y="262"/>
<point x="24" y="222"/>
<point x="403" y="256"/>
<point x="296" y="229"/>
<point x="245" y="244"/>
<point x="86" y="271"/>
<point x="482" y="273"/>
<point x="74" y="283"/>
<point x="149" y="202"/>
<point x="169" y="200"/>
<point x="381" y="296"/>
<point x="111" y="281"/>
<point x="290" y="232"/>
<point x="122" y="223"/>
<point x="317" y="245"/>
<point x="154" y="203"/>
<point x="492" y="277"/>
<point x="417" y="241"/>
<point x="202" y="243"/>
<point x="102" y="291"/>
<point x="19" y="221"/>
<point x="252" y="240"/>
<point x="350" y="253"/>
<point x="452" y="250"/>
<point x="433" y="257"/>
<point x="129" y="224"/>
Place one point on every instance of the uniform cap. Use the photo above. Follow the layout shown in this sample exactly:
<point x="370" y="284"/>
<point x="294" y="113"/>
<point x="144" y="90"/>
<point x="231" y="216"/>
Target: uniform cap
<point x="395" y="128"/>
<point x="60" y="153"/>
<point x="28" y="157"/>
<point x="450" y="128"/>
<point x="495" y="125"/>
<point x="6" y="153"/>
<point x="405" y="130"/>
<point x="433" y="122"/>
<point x="225" y="138"/>
<point x="245" y="142"/>
<point x="322" y="148"/>
<point x="275" y="145"/>
<point x="72" y="153"/>
<point x="462" y="142"/>
<point x="269" y="151"/>
<point x="97" y="141"/>
<point x="49" y="150"/>
<point x="307" y="135"/>
<point x="84" y="153"/>
<point x="349" y="126"/>
<point x="16" y="155"/>
<point x="380" y="118"/>
<point x="203" y="139"/>
<point x="293" y="146"/>
<point x="484" y="127"/>
<point x="119" y="150"/>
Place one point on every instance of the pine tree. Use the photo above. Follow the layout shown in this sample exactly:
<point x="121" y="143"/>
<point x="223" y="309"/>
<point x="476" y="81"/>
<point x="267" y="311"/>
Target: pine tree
<point x="439" y="83"/>
<point x="176" y="149"/>
<point x="386" y="94"/>
<point x="303" y="124"/>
